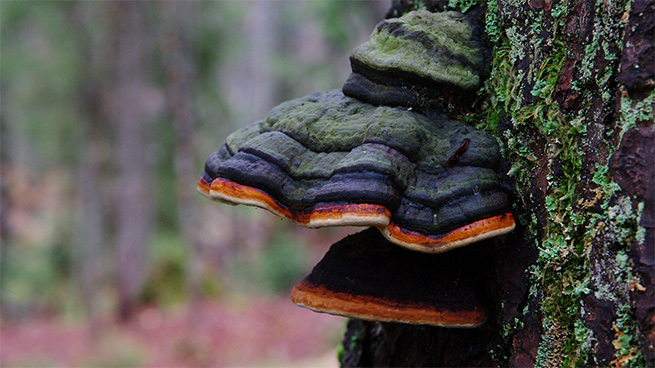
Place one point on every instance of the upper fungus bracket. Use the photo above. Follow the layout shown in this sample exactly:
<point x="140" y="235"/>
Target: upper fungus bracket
<point x="353" y="157"/>
<point x="352" y="163"/>
<point x="421" y="60"/>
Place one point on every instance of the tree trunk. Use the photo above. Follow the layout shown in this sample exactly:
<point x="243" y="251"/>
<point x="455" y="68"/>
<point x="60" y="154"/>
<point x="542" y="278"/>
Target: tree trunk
<point x="570" y="99"/>
<point x="92" y="238"/>
<point x="128" y="114"/>
<point x="178" y="50"/>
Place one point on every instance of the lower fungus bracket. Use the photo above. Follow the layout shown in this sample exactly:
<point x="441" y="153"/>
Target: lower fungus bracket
<point x="366" y="277"/>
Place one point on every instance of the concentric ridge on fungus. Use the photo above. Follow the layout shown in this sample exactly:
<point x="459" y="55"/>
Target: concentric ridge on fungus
<point x="330" y="160"/>
<point x="419" y="60"/>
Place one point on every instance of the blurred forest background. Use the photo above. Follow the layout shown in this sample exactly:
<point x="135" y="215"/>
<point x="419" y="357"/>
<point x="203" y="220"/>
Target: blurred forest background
<point x="109" y="256"/>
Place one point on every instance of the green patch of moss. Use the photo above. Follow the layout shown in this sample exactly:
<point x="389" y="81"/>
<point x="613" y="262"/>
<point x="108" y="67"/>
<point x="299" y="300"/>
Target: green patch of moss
<point x="625" y="342"/>
<point x="462" y="5"/>
<point x="641" y="231"/>
<point x="492" y="22"/>
<point x="341" y="352"/>
<point x="559" y="10"/>
<point x="585" y="210"/>
<point x="633" y="111"/>
<point x="517" y="40"/>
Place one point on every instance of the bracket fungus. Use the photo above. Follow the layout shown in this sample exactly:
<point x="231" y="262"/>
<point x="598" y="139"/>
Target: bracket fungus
<point x="364" y="276"/>
<point x="421" y="60"/>
<point x="381" y="153"/>
<point x="331" y="160"/>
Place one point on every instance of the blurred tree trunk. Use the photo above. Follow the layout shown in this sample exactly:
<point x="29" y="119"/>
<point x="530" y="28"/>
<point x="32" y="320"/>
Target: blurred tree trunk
<point x="178" y="46"/>
<point x="92" y="237"/>
<point x="132" y="42"/>
<point x="570" y="98"/>
<point x="5" y="230"/>
<point x="253" y="78"/>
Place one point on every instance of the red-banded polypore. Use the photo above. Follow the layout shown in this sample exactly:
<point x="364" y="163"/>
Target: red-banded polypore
<point x="384" y="155"/>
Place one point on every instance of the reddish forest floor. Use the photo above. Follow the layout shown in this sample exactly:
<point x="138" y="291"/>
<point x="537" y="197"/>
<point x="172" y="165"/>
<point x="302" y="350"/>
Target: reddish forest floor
<point x="252" y="332"/>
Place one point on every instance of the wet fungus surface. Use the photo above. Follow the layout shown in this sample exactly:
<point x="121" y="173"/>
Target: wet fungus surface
<point x="331" y="160"/>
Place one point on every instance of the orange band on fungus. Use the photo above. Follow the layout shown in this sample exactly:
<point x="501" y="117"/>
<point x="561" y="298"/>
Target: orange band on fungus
<point x="203" y="187"/>
<point x="360" y="214"/>
<point x="467" y="234"/>
<point x="350" y="214"/>
<point x="371" y="308"/>
<point x="367" y="277"/>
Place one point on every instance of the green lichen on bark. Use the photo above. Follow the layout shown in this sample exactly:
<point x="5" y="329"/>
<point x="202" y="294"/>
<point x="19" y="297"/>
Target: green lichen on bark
<point x="562" y="103"/>
<point x="568" y="204"/>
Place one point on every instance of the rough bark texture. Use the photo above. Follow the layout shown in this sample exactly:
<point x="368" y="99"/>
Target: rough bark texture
<point x="570" y="99"/>
<point x="632" y="167"/>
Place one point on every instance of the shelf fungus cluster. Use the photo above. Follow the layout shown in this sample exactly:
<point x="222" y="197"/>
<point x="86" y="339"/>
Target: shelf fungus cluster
<point x="380" y="154"/>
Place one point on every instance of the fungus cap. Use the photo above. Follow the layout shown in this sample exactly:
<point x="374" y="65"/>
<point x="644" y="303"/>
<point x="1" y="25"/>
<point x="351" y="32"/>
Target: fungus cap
<point x="330" y="160"/>
<point x="420" y="60"/>
<point x="364" y="276"/>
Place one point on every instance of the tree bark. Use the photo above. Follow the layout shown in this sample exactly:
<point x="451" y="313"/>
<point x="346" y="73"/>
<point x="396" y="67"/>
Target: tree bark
<point x="570" y="99"/>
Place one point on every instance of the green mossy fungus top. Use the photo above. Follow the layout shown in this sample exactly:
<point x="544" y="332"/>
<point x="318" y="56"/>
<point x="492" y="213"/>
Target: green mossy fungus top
<point x="330" y="148"/>
<point x="441" y="47"/>
<point x="330" y="123"/>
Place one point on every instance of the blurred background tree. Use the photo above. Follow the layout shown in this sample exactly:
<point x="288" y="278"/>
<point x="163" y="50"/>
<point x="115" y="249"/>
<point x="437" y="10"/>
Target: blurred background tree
<point x="108" y="111"/>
